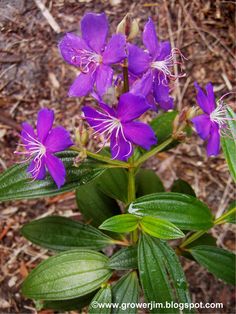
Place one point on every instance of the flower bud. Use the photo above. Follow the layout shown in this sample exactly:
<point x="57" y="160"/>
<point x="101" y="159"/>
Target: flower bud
<point x="81" y="136"/>
<point x="80" y="158"/>
<point x="128" y="27"/>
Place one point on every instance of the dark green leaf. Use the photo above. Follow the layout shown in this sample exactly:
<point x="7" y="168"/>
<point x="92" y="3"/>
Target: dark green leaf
<point x="153" y="274"/>
<point x="120" y="223"/>
<point x="181" y="186"/>
<point x="184" y="211"/>
<point x="114" y="183"/>
<point x="61" y="233"/>
<point x="124" y="259"/>
<point x="68" y="275"/>
<point x="126" y="292"/>
<point x="160" y="228"/>
<point x="69" y="305"/>
<point x="148" y="182"/>
<point x="94" y="204"/>
<point x="15" y="182"/>
<point x="228" y="143"/>
<point x="217" y="261"/>
<point x="232" y="217"/>
<point x="98" y="304"/>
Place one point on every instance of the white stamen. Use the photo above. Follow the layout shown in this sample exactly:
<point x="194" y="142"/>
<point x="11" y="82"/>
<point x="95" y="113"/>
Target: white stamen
<point x="86" y="60"/>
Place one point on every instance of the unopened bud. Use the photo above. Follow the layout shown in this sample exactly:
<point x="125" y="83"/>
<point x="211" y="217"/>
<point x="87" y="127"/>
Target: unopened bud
<point x="81" y="136"/>
<point x="80" y="158"/>
<point x="128" y="27"/>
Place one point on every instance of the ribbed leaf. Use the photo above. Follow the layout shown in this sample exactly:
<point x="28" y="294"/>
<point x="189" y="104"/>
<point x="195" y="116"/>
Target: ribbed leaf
<point x="160" y="228"/>
<point x="181" y="186"/>
<point x="114" y="183"/>
<point x="61" y="233"/>
<point x="98" y="304"/>
<point x="124" y="259"/>
<point x="217" y="261"/>
<point x="148" y="182"/>
<point x="94" y="204"/>
<point x="153" y="274"/>
<point x="15" y="183"/>
<point x="126" y="292"/>
<point x="228" y="143"/>
<point x="184" y="211"/>
<point x="120" y="223"/>
<point x="67" y="275"/>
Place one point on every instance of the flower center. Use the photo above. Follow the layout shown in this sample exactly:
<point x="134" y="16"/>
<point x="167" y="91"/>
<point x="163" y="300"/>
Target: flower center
<point x="86" y="59"/>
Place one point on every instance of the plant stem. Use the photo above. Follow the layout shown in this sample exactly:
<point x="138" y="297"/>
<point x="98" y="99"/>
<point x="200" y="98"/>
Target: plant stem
<point x="99" y="157"/>
<point x="192" y="238"/>
<point x="125" y="76"/>
<point x="221" y="219"/>
<point x="153" y="152"/>
<point x="131" y="185"/>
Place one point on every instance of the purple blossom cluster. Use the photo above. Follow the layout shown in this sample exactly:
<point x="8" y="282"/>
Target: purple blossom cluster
<point x="149" y="72"/>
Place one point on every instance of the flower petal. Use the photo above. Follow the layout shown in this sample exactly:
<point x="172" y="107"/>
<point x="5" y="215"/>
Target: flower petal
<point x="203" y="101"/>
<point x="138" y="60"/>
<point x="140" y="134"/>
<point x="37" y="170"/>
<point x="161" y="93"/>
<point x="104" y="75"/>
<point x="27" y="134"/>
<point x="44" y="123"/>
<point x="115" y="50"/>
<point x="164" y="50"/>
<point x="143" y="85"/>
<point x="131" y="107"/>
<point x="58" y="140"/>
<point x="213" y="146"/>
<point x="150" y="38"/>
<point x="97" y="120"/>
<point x="70" y="47"/>
<point x="211" y="96"/>
<point x="82" y="85"/>
<point x="202" y="125"/>
<point x="56" y="169"/>
<point x="121" y="148"/>
<point x="94" y="28"/>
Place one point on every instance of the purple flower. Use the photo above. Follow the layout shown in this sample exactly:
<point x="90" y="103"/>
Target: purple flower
<point x="118" y="127"/>
<point x="208" y="125"/>
<point x="40" y="147"/>
<point x="91" y="55"/>
<point x="157" y="63"/>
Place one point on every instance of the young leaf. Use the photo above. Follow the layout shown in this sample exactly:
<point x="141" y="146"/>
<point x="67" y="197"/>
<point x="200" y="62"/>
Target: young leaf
<point x="98" y="304"/>
<point x="153" y="274"/>
<point x="181" y="186"/>
<point x="15" y="182"/>
<point x="94" y="204"/>
<point x="228" y="143"/>
<point x="184" y="211"/>
<point x="217" y="261"/>
<point x="114" y="183"/>
<point x="160" y="228"/>
<point x="120" y="223"/>
<point x="61" y="233"/>
<point x="148" y="182"/>
<point x="124" y="259"/>
<point x="68" y="275"/>
<point x="126" y="292"/>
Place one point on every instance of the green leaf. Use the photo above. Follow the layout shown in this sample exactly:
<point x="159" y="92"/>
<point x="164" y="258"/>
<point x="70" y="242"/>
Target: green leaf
<point x="69" y="305"/>
<point x="232" y="217"/>
<point x="124" y="259"/>
<point x="184" y="211"/>
<point x="153" y="274"/>
<point x="94" y="204"/>
<point x="120" y="223"/>
<point x="148" y="182"/>
<point x="68" y="275"/>
<point x="217" y="261"/>
<point x="114" y="183"/>
<point x="15" y="182"/>
<point x="125" y="292"/>
<point x="228" y="143"/>
<point x="61" y="233"/>
<point x="181" y="186"/>
<point x="102" y="298"/>
<point x="160" y="228"/>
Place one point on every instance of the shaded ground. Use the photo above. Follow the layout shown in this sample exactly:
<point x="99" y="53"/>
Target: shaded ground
<point x="33" y="76"/>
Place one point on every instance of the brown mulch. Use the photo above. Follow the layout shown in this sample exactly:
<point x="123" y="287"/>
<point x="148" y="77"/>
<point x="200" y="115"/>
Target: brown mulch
<point x="33" y="76"/>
